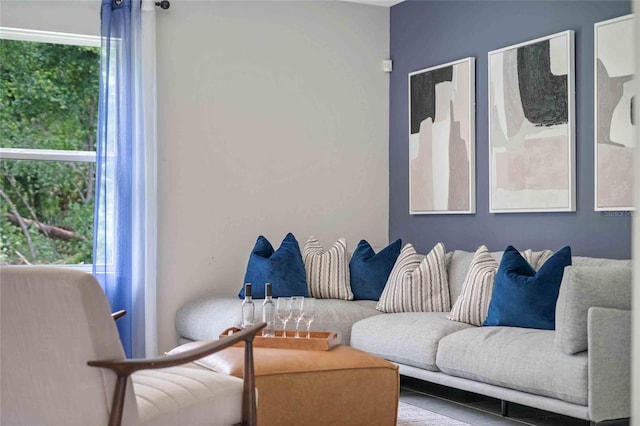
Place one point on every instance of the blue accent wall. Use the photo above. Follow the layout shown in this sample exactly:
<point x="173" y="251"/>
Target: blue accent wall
<point x="430" y="33"/>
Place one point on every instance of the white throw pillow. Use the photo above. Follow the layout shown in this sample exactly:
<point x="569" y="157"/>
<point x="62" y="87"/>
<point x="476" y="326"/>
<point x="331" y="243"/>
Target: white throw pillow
<point x="472" y="305"/>
<point x="417" y="283"/>
<point x="327" y="271"/>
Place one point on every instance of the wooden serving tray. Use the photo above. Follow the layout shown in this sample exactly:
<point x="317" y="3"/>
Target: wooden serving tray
<point x="318" y="341"/>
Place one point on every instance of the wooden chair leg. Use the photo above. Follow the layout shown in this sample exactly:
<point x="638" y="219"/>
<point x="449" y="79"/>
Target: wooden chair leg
<point x="117" y="405"/>
<point x="249" y="412"/>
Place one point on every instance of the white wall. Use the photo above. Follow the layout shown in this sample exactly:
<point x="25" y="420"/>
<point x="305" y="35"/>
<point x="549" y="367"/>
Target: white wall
<point x="273" y="117"/>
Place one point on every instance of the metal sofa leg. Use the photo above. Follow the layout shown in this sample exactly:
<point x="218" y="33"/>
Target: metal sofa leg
<point x="504" y="408"/>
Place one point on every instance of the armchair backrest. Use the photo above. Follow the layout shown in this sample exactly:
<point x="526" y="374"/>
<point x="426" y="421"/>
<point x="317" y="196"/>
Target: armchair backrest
<point x="53" y="320"/>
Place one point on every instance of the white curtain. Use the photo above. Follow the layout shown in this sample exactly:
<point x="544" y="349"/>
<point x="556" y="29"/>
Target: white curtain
<point x="149" y="203"/>
<point x="149" y="79"/>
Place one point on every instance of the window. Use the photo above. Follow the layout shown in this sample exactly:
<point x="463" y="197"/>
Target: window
<point x="49" y="85"/>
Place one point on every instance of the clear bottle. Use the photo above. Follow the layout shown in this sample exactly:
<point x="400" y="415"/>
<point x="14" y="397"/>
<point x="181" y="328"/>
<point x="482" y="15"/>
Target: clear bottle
<point x="248" y="307"/>
<point x="268" y="313"/>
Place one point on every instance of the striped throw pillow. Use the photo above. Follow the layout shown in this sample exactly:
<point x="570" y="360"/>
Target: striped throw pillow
<point x="536" y="258"/>
<point x="472" y="305"/>
<point x="417" y="283"/>
<point x="327" y="271"/>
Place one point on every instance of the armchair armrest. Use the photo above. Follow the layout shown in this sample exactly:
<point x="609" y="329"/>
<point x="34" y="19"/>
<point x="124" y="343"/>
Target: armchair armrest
<point x="118" y="314"/>
<point x="609" y="357"/>
<point x="124" y="368"/>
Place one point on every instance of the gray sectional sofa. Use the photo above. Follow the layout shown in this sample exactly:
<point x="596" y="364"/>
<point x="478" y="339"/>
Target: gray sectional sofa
<point x="580" y="369"/>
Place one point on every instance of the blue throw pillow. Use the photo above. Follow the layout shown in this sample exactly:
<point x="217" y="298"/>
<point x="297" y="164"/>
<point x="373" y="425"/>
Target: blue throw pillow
<point x="523" y="297"/>
<point x="370" y="271"/>
<point x="282" y="268"/>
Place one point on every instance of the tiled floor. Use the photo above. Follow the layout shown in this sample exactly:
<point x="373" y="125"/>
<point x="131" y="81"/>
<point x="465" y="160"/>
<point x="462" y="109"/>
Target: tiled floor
<point x="480" y="410"/>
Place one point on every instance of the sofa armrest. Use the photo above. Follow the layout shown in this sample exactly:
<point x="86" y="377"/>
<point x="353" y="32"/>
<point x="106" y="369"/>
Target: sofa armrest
<point x="609" y="355"/>
<point x="583" y="287"/>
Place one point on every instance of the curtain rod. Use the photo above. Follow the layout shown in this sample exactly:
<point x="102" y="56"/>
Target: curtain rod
<point x="164" y="4"/>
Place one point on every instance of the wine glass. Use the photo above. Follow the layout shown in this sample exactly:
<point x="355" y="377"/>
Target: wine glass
<point x="297" y="302"/>
<point x="283" y="312"/>
<point x="309" y="314"/>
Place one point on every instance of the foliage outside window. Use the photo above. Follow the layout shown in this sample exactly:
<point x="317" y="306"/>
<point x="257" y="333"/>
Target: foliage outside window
<point x="48" y="116"/>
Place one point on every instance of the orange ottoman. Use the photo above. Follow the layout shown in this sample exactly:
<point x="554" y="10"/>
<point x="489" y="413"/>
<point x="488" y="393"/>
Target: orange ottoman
<point x="341" y="386"/>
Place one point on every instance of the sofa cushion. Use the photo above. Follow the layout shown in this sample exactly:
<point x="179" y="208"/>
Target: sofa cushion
<point x="409" y="338"/>
<point x="417" y="283"/>
<point x="327" y="270"/>
<point x="205" y="318"/>
<point x="515" y="358"/>
<point x="187" y="395"/>
<point x="457" y="269"/>
<point x="472" y="305"/>
<point x="524" y="297"/>
<point x="600" y="261"/>
<point x="370" y="270"/>
<point x="583" y="287"/>
<point x="282" y="268"/>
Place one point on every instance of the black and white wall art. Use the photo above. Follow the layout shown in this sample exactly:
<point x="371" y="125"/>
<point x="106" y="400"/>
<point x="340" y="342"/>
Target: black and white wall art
<point x="531" y="126"/>
<point x="442" y="139"/>
<point x="614" y="113"/>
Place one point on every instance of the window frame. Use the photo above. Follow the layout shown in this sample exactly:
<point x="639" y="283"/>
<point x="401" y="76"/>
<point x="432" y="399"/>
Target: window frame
<point x="51" y="37"/>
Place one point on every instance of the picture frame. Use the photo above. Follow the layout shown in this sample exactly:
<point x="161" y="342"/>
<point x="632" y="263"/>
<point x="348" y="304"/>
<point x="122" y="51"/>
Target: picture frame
<point x="614" y="127"/>
<point x="442" y="139"/>
<point x="532" y="126"/>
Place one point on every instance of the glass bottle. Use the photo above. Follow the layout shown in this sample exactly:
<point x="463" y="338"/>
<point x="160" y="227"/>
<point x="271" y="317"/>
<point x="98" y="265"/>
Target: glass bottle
<point x="248" y="307"/>
<point x="268" y="313"/>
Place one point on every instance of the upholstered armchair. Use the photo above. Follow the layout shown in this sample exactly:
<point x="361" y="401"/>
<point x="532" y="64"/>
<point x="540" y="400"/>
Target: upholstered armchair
<point x="62" y="362"/>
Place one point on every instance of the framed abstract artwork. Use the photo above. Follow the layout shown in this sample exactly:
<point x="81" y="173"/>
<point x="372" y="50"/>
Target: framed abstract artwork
<point x="532" y="126"/>
<point x="442" y="139"/>
<point x="614" y="121"/>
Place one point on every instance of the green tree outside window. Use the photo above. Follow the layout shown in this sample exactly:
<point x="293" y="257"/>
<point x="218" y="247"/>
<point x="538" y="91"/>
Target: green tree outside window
<point x="48" y="100"/>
